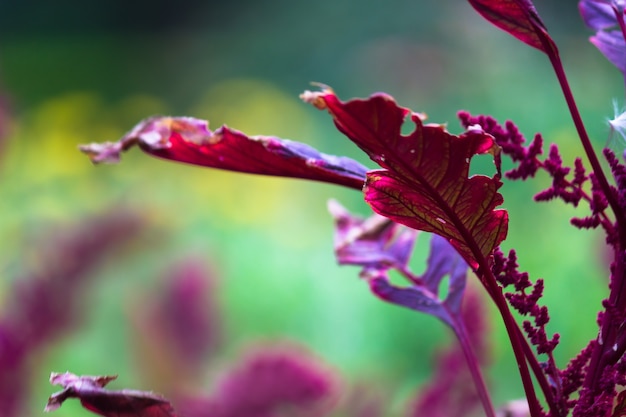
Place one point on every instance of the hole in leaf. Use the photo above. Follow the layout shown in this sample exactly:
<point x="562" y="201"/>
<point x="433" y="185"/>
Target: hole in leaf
<point x="408" y="126"/>
<point x="395" y="278"/>
<point x="444" y="287"/>
<point x="482" y="165"/>
<point x="419" y="256"/>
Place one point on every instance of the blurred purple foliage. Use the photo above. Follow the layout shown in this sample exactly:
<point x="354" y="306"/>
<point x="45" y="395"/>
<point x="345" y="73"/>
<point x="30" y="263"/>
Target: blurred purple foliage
<point x="45" y="304"/>
<point x="178" y="327"/>
<point x="268" y="381"/>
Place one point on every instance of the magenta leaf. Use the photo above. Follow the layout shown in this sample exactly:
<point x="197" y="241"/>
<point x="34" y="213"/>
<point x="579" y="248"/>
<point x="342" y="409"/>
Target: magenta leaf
<point x="424" y="182"/>
<point x="189" y="140"/>
<point x="93" y="397"/>
<point x="520" y="19"/>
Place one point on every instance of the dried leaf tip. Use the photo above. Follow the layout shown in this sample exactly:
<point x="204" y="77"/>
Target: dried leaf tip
<point x="68" y="378"/>
<point x="95" y="398"/>
<point x="99" y="153"/>
<point x="316" y="97"/>
<point x="153" y="133"/>
<point x="72" y="383"/>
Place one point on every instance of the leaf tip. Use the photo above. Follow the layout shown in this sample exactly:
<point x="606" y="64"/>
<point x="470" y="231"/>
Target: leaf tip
<point x="102" y="153"/>
<point x="316" y="98"/>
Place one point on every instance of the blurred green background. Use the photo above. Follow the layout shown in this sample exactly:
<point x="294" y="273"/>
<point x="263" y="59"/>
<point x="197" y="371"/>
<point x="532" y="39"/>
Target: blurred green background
<point x="76" y="72"/>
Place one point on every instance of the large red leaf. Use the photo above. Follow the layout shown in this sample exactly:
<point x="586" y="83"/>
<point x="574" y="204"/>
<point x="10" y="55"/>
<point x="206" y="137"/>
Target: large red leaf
<point x="92" y="395"/>
<point x="424" y="183"/>
<point x="519" y="18"/>
<point x="189" y="140"/>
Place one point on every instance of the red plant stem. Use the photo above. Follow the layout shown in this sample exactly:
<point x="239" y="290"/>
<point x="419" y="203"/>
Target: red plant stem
<point x="523" y="354"/>
<point x="555" y="60"/>
<point x="517" y="343"/>
<point x="474" y="369"/>
<point x="603" y="352"/>
<point x="540" y="376"/>
<point x="608" y="332"/>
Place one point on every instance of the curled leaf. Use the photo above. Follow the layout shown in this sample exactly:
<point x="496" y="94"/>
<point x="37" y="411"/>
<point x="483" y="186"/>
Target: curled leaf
<point x="424" y="182"/>
<point x="189" y="140"/>
<point x="520" y="19"/>
<point x="95" y="398"/>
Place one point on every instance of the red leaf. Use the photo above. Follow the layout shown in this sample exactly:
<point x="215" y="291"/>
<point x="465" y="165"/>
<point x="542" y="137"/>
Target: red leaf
<point x="93" y="397"/>
<point x="424" y="183"/>
<point x="189" y="140"/>
<point x="520" y="19"/>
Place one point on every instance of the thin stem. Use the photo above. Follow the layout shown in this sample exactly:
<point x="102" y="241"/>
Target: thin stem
<point x="517" y="343"/>
<point x="540" y="376"/>
<point x="477" y="376"/>
<point x="584" y="138"/>
<point x="603" y="354"/>
<point x="608" y="331"/>
<point x="522" y="357"/>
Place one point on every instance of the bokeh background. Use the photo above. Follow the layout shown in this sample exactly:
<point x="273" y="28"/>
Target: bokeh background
<point x="74" y="72"/>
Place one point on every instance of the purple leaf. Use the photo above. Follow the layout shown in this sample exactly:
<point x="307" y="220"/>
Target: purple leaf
<point x="93" y="397"/>
<point x="189" y="140"/>
<point x="443" y="260"/>
<point x="374" y="242"/>
<point x="378" y="245"/>
<point x="613" y="47"/>
<point x="608" y="19"/>
<point x="597" y="14"/>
